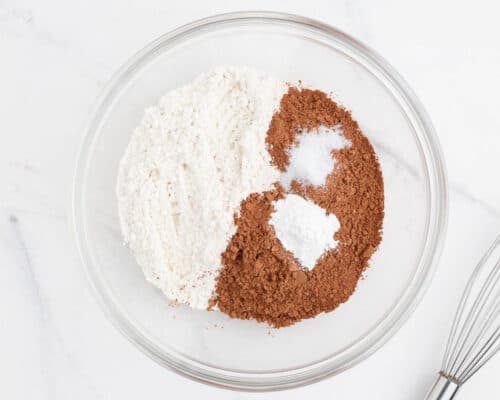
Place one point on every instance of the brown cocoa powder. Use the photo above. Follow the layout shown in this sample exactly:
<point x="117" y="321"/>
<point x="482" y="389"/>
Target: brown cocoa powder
<point x="260" y="279"/>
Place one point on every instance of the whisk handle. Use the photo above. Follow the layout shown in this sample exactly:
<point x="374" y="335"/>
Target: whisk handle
<point x="443" y="388"/>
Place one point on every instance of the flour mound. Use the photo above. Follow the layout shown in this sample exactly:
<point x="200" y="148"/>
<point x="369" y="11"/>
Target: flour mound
<point x="192" y="160"/>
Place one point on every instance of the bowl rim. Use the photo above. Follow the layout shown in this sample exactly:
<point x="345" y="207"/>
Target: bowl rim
<point x="392" y="322"/>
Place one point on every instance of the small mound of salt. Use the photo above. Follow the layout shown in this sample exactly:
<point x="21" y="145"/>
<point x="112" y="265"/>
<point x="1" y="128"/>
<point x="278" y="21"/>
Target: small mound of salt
<point x="311" y="160"/>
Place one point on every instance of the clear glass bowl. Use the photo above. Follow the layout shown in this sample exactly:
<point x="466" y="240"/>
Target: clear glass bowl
<point x="244" y="354"/>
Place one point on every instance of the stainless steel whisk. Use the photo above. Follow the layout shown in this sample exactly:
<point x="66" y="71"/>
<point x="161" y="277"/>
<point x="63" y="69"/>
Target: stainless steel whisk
<point x="475" y="333"/>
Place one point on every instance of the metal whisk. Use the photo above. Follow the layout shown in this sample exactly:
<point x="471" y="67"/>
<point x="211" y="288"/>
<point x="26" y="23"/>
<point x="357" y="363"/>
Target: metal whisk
<point x="475" y="333"/>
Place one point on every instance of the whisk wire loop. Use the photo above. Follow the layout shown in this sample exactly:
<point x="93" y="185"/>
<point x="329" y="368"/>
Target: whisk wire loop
<point x="476" y="323"/>
<point x="475" y="332"/>
<point x="479" y="360"/>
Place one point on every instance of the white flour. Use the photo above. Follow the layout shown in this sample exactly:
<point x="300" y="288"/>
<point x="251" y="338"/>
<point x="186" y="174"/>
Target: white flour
<point x="304" y="228"/>
<point x="192" y="160"/>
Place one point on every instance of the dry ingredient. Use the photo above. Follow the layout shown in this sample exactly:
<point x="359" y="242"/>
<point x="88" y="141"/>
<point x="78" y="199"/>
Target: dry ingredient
<point x="261" y="279"/>
<point x="192" y="160"/>
<point x="311" y="158"/>
<point x="240" y="192"/>
<point x="303" y="228"/>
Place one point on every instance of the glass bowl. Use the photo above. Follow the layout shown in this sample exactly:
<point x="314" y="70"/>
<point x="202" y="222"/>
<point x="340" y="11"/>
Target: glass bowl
<point x="209" y="346"/>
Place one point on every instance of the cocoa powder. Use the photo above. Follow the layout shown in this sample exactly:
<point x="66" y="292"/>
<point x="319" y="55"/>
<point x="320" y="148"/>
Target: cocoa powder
<point x="260" y="279"/>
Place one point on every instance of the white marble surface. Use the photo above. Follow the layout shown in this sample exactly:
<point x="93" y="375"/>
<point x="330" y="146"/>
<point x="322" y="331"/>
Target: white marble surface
<point x="55" y="57"/>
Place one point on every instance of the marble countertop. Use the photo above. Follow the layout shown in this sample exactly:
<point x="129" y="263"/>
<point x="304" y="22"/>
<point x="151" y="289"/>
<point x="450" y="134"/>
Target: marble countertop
<point x="56" y="56"/>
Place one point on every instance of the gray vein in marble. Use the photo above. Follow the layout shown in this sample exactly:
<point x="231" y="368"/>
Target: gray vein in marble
<point x="25" y="167"/>
<point x="110" y="223"/>
<point x="37" y="300"/>
<point x="28" y="268"/>
<point x="48" y="329"/>
<point x="470" y="197"/>
<point x="99" y="83"/>
<point x="115" y="233"/>
<point x="381" y="148"/>
<point x="22" y="190"/>
<point x="17" y="22"/>
<point x="36" y="213"/>
<point x="453" y="187"/>
<point x="31" y="190"/>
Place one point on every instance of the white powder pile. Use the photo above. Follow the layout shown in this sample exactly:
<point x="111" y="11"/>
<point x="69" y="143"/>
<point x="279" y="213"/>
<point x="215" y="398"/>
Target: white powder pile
<point x="304" y="228"/>
<point x="192" y="160"/>
<point x="311" y="159"/>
